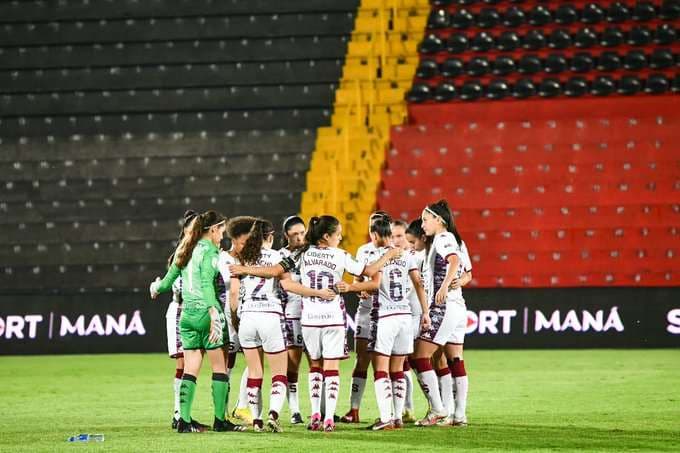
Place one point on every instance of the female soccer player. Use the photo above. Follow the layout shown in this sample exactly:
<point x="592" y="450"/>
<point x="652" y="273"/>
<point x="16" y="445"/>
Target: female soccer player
<point x="366" y="254"/>
<point x="262" y="323"/>
<point x="172" y="316"/>
<point x="393" y="338"/>
<point x="201" y="324"/>
<point x="322" y="266"/>
<point x="294" y="233"/>
<point x="447" y="309"/>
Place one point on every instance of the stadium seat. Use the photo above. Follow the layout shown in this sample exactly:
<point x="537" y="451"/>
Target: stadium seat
<point x="585" y="38"/>
<point x="513" y="17"/>
<point x="576" y="86"/>
<point x="639" y="36"/>
<point x="462" y="19"/>
<point x="503" y="65"/>
<point x="612" y="37"/>
<point x="549" y="88"/>
<point x="439" y="18"/>
<point x="457" y="43"/>
<point x="427" y="69"/>
<point x="529" y="64"/>
<point x="618" y="12"/>
<point x="670" y="10"/>
<point x="482" y="42"/>
<point x="559" y="39"/>
<point x="555" y="63"/>
<point x="643" y="11"/>
<point x="608" y="61"/>
<point x="420" y="92"/>
<point x="566" y="14"/>
<point x="508" y="41"/>
<point x="452" y="67"/>
<point x="478" y="66"/>
<point x="471" y="90"/>
<point x="445" y="92"/>
<point x="582" y="62"/>
<point x="629" y="85"/>
<point x="488" y="18"/>
<point x="635" y="60"/>
<point x="676" y="84"/>
<point x="657" y="84"/>
<point x="665" y="34"/>
<point x="534" y="40"/>
<point x="524" y="88"/>
<point x="661" y="59"/>
<point x="498" y="89"/>
<point x="603" y="86"/>
<point x="539" y="16"/>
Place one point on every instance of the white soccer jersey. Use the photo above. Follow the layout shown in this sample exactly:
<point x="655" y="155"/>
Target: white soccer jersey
<point x="177" y="290"/>
<point x="443" y="246"/>
<point x="322" y="268"/>
<point x="293" y="302"/>
<point x="417" y="262"/>
<point x="259" y="294"/>
<point x="367" y="254"/>
<point x="224" y="278"/>
<point x="394" y="285"/>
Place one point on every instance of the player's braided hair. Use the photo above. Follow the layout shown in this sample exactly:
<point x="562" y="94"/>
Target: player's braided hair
<point x="318" y="227"/>
<point x="441" y="209"/>
<point x="197" y="227"/>
<point x="252" y="249"/>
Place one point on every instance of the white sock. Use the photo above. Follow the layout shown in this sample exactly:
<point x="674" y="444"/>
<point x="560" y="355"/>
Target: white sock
<point x="315" y="387"/>
<point x="383" y="395"/>
<point x="446" y="391"/>
<point x="408" y="400"/>
<point x="293" y="399"/>
<point x="431" y="389"/>
<point x="176" y="385"/>
<point x="358" y="387"/>
<point x="461" y="384"/>
<point x="399" y="392"/>
<point x="277" y="395"/>
<point x="332" y="387"/>
<point x="254" y="387"/>
<point x="243" y="391"/>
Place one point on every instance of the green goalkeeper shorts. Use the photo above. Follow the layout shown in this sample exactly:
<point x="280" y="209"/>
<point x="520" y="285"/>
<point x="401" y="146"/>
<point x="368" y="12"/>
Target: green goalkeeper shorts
<point x="194" y="330"/>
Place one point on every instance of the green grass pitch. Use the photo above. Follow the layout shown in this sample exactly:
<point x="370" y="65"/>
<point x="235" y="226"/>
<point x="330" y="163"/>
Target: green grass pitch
<point x="568" y="400"/>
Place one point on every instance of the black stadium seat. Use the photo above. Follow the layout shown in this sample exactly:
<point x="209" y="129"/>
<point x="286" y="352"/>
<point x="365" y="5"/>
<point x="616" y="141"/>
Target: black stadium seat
<point x="559" y="39"/>
<point x="524" y="88"/>
<point x="609" y="61"/>
<point x="427" y="69"/>
<point x="670" y="10"/>
<point x="665" y="34"/>
<point x="629" y="85"/>
<point x="471" y="90"/>
<point x="513" y="17"/>
<point x="488" y="18"/>
<point x="462" y="20"/>
<point x="508" y="41"/>
<point x="420" y="92"/>
<point x="657" y="84"/>
<point x="539" y="16"/>
<point x="661" y="59"/>
<point x="445" y="92"/>
<point x="549" y="88"/>
<point x="530" y="64"/>
<point x="603" y="86"/>
<point x="639" y="36"/>
<point x="431" y="44"/>
<point x="457" y="43"/>
<point x="592" y="13"/>
<point x="635" y="60"/>
<point x="439" y="18"/>
<point x="585" y="38"/>
<point x="478" y="66"/>
<point x="555" y="63"/>
<point x="566" y="14"/>
<point x="534" y="40"/>
<point x="612" y="37"/>
<point x="644" y="11"/>
<point x="676" y="84"/>
<point x="498" y="89"/>
<point x="452" y="67"/>
<point x="618" y="12"/>
<point x="503" y="65"/>
<point x="582" y="62"/>
<point x="576" y="86"/>
<point x="482" y="42"/>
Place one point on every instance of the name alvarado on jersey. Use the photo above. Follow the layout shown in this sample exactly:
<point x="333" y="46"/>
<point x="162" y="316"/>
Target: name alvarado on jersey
<point x="322" y="268"/>
<point x="394" y="285"/>
<point x="260" y="294"/>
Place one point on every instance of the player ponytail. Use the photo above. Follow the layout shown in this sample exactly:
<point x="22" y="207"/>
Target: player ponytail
<point x="189" y="215"/>
<point x="196" y="228"/>
<point x="382" y="228"/>
<point x="441" y="210"/>
<point x="252" y="249"/>
<point x="318" y="227"/>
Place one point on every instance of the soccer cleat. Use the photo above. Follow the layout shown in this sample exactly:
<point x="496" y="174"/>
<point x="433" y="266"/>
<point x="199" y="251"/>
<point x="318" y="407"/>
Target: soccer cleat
<point x="408" y="417"/>
<point x="430" y="419"/>
<point x="296" y="419"/>
<point x="398" y="423"/>
<point x="258" y="426"/>
<point x="382" y="426"/>
<point x="351" y="417"/>
<point x="315" y="423"/>
<point x="274" y="425"/>
<point x="175" y="422"/>
<point x="462" y="423"/>
<point x="242" y="414"/>
<point x="225" y="425"/>
<point x="329" y="426"/>
<point x="193" y="427"/>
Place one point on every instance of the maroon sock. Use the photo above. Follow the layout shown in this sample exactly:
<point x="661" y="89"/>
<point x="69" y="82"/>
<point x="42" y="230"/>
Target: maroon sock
<point x="457" y="367"/>
<point x="178" y="373"/>
<point x="423" y="365"/>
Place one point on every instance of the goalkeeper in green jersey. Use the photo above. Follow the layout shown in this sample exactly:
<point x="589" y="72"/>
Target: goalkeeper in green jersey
<point x="202" y="319"/>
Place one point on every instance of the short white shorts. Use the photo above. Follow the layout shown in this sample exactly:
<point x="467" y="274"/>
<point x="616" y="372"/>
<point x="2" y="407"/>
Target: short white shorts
<point x="362" y="321"/>
<point x="231" y="336"/>
<point x="416" y="320"/>
<point x="265" y="330"/>
<point x="172" y="316"/>
<point x="394" y="336"/>
<point x="328" y="343"/>
<point x="294" y="334"/>
<point x="448" y="323"/>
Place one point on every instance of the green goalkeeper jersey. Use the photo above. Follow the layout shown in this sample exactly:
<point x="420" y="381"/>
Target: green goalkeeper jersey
<point x="198" y="278"/>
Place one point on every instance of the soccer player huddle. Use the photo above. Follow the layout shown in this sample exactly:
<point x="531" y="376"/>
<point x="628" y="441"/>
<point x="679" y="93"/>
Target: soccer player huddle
<point x="281" y="304"/>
